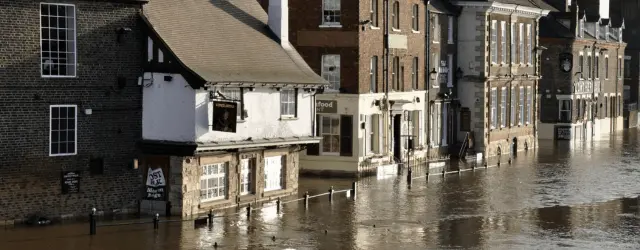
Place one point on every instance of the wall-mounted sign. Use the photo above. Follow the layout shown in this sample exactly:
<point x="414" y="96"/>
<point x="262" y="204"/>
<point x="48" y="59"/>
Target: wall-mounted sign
<point x="155" y="184"/>
<point x="224" y="116"/>
<point x="566" y="62"/>
<point x="563" y="132"/>
<point x="327" y="106"/>
<point x="70" y="182"/>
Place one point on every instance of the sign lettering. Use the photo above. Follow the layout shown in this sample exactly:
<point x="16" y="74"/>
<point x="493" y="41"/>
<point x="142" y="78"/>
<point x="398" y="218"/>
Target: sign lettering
<point x="326" y="106"/>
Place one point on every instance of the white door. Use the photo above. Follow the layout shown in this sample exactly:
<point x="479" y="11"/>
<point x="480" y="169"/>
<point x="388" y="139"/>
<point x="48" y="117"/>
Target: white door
<point x="273" y="173"/>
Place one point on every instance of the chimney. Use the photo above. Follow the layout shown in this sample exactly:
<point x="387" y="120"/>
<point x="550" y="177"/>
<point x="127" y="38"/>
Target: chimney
<point x="279" y="19"/>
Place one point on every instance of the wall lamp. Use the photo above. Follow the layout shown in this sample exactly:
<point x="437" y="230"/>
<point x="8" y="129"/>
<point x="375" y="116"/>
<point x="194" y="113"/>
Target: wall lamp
<point x="433" y="74"/>
<point x="459" y="73"/>
<point x="122" y="31"/>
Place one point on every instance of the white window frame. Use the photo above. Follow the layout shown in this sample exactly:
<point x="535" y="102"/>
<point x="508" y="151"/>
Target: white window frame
<point x="373" y="13"/>
<point x="246" y="172"/>
<point x="331" y="8"/>
<point x="521" y="106"/>
<point x="373" y="74"/>
<point x="274" y="173"/>
<point x="503" y="42"/>
<point x="418" y="127"/>
<point x="494" y="42"/>
<point x="436" y="124"/>
<point x="415" y="64"/>
<point x="562" y="110"/>
<point x="450" y="30"/>
<point x="330" y="133"/>
<point x="415" y="18"/>
<point x="494" y="108"/>
<point x="436" y="28"/>
<point x="395" y="75"/>
<point x="529" y="45"/>
<point x="73" y="53"/>
<point x="288" y="102"/>
<point x="369" y="137"/>
<point x="514" y="47"/>
<point x="67" y="130"/>
<point x="503" y="107"/>
<point x="395" y="16"/>
<point x="521" y="42"/>
<point x="529" y="105"/>
<point x="332" y="76"/>
<point x="217" y="175"/>
<point x="513" y="106"/>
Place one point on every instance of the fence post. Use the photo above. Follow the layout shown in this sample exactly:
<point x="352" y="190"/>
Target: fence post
<point x="353" y="190"/>
<point x="156" y="219"/>
<point x="167" y="209"/>
<point x="331" y="194"/>
<point x="278" y="204"/>
<point x="92" y="222"/>
<point x="409" y="177"/>
<point x="306" y="199"/>
<point x="249" y="210"/>
<point x="210" y="216"/>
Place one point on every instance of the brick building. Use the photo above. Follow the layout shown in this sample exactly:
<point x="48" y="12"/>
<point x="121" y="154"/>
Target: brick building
<point x="581" y="92"/>
<point x="71" y="109"/>
<point x="628" y="11"/>
<point x="498" y="48"/>
<point x="227" y="105"/>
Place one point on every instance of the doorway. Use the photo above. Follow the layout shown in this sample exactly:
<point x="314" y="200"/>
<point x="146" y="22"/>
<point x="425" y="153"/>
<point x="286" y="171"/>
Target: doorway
<point x="397" y="137"/>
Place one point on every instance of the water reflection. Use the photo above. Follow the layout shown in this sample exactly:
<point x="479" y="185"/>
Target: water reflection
<point x="580" y="195"/>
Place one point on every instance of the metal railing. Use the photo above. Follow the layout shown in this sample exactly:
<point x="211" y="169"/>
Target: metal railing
<point x="208" y="221"/>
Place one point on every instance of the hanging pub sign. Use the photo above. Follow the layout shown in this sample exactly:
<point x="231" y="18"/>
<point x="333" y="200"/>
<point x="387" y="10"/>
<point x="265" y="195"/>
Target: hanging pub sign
<point x="566" y="62"/>
<point x="155" y="184"/>
<point x="70" y="182"/>
<point x="224" y="116"/>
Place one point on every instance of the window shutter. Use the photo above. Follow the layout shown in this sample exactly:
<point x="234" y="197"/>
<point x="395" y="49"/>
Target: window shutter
<point x="314" y="149"/>
<point x="346" y="132"/>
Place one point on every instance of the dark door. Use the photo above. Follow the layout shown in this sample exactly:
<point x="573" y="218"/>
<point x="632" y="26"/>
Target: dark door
<point x="397" y="137"/>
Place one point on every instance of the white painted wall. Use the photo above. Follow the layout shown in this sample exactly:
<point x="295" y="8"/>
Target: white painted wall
<point x="174" y="111"/>
<point x="167" y="109"/>
<point x="263" y="121"/>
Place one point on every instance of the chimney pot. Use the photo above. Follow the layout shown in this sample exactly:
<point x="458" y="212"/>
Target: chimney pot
<point x="279" y="19"/>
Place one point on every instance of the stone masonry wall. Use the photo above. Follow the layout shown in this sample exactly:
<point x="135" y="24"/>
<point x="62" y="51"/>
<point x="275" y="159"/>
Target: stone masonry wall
<point x="185" y="180"/>
<point x="29" y="178"/>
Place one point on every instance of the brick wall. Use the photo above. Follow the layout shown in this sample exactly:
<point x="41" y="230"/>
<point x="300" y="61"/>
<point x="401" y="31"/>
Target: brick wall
<point x="29" y="177"/>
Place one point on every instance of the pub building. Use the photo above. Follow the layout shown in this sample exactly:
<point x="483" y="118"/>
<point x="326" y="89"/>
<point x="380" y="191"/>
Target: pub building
<point x="226" y="112"/>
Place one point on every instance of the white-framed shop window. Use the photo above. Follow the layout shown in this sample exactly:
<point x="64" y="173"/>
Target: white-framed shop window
<point x="330" y="132"/>
<point x="58" y="40"/>
<point x="273" y="173"/>
<point x="247" y="170"/>
<point x="213" y="182"/>
<point x="63" y="121"/>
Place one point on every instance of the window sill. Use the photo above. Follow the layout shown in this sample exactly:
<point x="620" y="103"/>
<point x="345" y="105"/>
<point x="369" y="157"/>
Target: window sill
<point x="374" y="27"/>
<point x="415" y="31"/>
<point x="330" y="26"/>
<point x="396" y="30"/>
<point x="213" y="203"/>
<point x="58" y="155"/>
<point x="275" y="192"/>
<point x="55" y="77"/>
<point x="240" y="121"/>
<point x="329" y="154"/>
<point x="288" y="118"/>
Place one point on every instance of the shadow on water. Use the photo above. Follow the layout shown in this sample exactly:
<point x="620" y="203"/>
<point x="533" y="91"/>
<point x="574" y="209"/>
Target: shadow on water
<point x="575" y="195"/>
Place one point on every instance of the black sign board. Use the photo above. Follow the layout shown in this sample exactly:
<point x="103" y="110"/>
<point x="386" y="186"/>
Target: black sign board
<point x="326" y="106"/>
<point x="224" y="116"/>
<point x="70" y="182"/>
<point x="563" y="132"/>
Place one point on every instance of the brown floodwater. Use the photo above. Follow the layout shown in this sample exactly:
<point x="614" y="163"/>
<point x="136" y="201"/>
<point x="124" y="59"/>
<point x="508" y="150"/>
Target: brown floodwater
<point x="560" y="196"/>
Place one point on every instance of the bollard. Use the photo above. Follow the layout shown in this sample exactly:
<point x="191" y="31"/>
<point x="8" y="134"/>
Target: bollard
<point x="427" y="176"/>
<point x="331" y="194"/>
<point x="409" y="177"/>
<point x="306" y="199"/>
<point x="249" y="210"/>
<point x="354" y="190"/>
<point x="167" y="209"/>
<point x="92" y="222"/>
<point x="156" y="220"/>
<point x="210" y="217"/>
<point x="278" y="204"/>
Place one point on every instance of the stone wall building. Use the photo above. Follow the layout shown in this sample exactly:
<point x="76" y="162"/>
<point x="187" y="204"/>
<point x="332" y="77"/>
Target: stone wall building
<point x="498" y="54"/>
<point x="581" y="92"/>
<point x="70" y="113"/>
<point x="227" y="105"/>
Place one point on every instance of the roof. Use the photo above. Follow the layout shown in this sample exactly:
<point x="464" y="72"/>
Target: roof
<point x="227" y="42"/>
<point x="442" y="6"/>
<point x="550" y="27"/>
<point x="540" y="4"/>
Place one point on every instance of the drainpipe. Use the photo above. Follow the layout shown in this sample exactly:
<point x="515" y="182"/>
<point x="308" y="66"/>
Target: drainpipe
<point x="593" y="88"/>
<point x="427" y="76"/>
<point x="385" y="69"/>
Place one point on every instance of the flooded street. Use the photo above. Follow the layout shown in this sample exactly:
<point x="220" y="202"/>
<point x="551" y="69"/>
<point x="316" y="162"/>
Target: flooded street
<point x="570" y="196"/>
